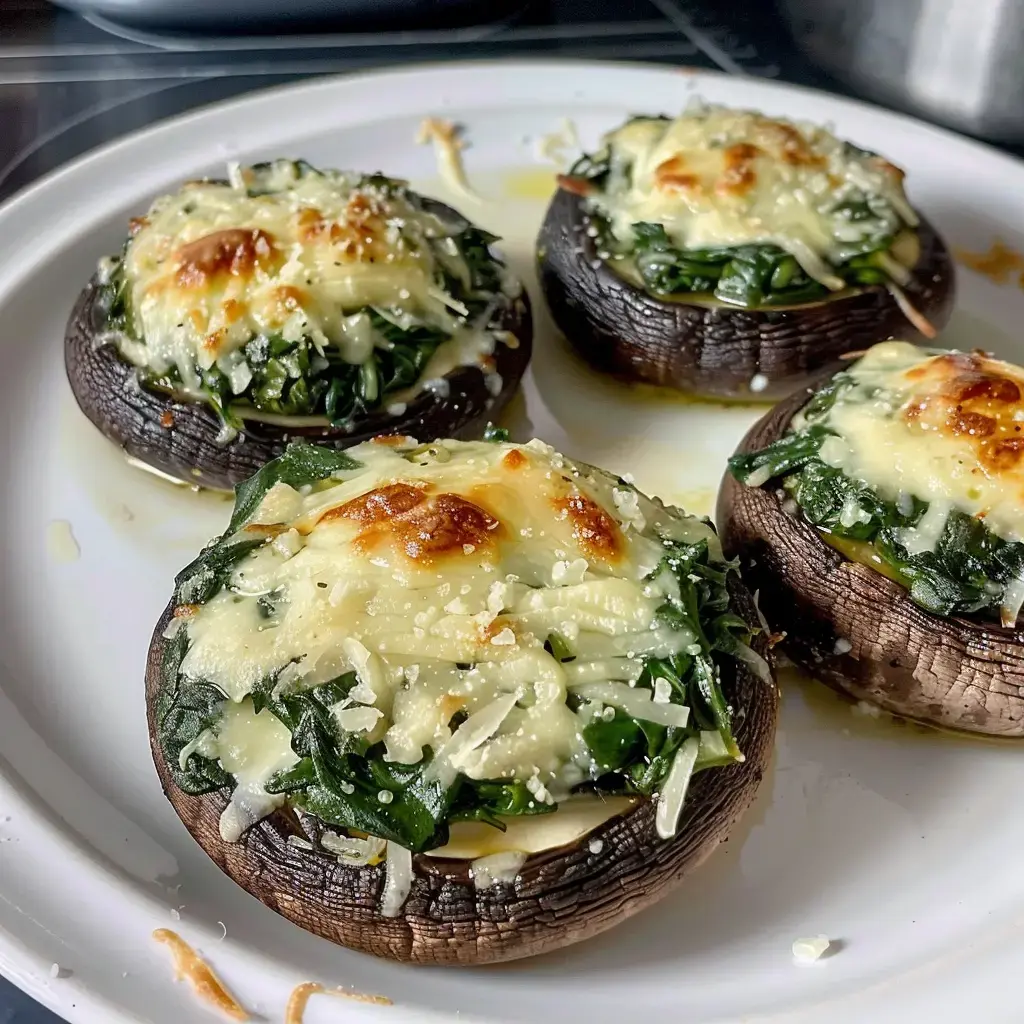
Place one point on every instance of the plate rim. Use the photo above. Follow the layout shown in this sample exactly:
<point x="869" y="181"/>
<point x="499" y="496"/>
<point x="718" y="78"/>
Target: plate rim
<point x="17" y="960"/>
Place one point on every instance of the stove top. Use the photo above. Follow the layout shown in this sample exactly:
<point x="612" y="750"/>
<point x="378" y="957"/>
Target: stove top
<point x="69" y="83"/>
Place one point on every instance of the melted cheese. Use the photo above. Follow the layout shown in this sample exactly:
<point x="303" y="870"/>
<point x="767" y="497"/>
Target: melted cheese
<point x="437" y="576"/>
<point x="252" y="747"/>
<point x="720" y="177"/>
<point x="574" y="818"/>
<point x="946" y="428"/>
<point x="288" y="251"/>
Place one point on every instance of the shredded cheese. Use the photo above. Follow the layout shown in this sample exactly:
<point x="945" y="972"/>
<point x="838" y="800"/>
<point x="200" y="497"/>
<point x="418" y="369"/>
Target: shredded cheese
<point x="448" y="146"/>
<point x="809" y="950"/>
<point x="673" y="790"/>
<point x="720" y="177"/>
<point x="298" y="1000"/>
<point x="398" y="880"/>
<point x="216" y="270"/>
<point x="201" y="976"/>
<point x="496" y="869"/>
<point x="432" y="577"/>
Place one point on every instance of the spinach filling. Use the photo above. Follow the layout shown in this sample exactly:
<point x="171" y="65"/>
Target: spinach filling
<point x="297" y="377"/>
<point x="339" y="777"/>
<point x="967" y="572"/>
<point x="750" y="276"/>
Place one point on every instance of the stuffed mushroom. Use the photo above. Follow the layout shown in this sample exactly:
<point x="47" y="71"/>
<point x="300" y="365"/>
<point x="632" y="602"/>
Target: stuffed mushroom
<point x="730" y="254"/>
<point x="879" y="516"/>
<point x="292" y="302"/>
<point x="458" y="702"/>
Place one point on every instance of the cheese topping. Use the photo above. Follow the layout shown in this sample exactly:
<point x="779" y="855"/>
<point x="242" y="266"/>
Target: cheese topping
<point x="219" y="278"/>
<point x="945" y="428"/>
<point x="438" y="580"/>
<point x="716" y="177"/>
<point x="251" y="747"/>
<point x="413" y="643"/>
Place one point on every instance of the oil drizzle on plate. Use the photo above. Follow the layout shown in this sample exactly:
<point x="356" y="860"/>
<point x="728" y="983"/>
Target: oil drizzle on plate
<point x="1001" y="264"/>
<point x="61" y="545"/>
<point x="138" y="506"/>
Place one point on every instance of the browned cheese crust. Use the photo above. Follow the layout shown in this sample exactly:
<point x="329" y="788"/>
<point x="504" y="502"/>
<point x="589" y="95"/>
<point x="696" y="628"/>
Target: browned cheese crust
<point x="859" y="631"/>
<point x="559" y="897"/>
<point x="180" y="438"/>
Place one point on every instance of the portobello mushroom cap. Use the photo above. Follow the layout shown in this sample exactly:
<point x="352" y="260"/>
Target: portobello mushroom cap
<point x="717" y="350"/>
<point x="855" y="629"/>
<point x="559" y="896"/>
<point x="180" y="437"/>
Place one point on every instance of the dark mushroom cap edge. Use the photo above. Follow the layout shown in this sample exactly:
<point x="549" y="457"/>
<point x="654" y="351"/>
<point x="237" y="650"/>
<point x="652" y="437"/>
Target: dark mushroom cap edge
<point x="558" y="897"/>
<point x="858" y="631"/>
<point x="180" y="438"/>
<point x="716" y="351"/>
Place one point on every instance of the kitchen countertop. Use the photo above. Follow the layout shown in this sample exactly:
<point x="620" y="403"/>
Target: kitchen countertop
<point x="68" y="84"/>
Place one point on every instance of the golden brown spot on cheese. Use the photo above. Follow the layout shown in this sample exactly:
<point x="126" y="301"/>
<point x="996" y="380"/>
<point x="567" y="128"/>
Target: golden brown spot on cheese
<point x="792" y="147"/>
<point x="136" y="224"/>
<point x="380" y="504"/>
<point x="514" y="459"/>
<point x="962" y="421"/>
<point x="212" y="342"/>
<point x="989" y="386"/>
<point x="971" y="397"/>
<point x="441" y="526"/>
<point x="200" y="975"/>
<point x="311" y="223"/>
<point x="234" y="251"/>
<point x="497" y="625"/>
<point x="1003" y="455"/>
<point x="594" y="530"/>
<point x="282" y="301"/>
<point x="185" y="611"/>
<point x="233" y="311"/>
<point x="390" y="440"/>
<point x="940" y="366"/>
<point x="167" y="419"/>
<point x="889" y="167"/>
<point x="361" y="234"/>
<point x="447" y="524"/>
<point x="672" y="174"/>
<point x="450" y="703"/>
<point x="739" y="175"/>
<point x="289" y="298"/>
<point x="301" y="995"/>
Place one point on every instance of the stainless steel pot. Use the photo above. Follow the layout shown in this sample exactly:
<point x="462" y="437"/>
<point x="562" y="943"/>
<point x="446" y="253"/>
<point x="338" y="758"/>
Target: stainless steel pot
<point x="956" y="61"/>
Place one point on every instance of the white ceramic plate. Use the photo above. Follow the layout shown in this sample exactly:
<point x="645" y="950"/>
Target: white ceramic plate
<point x="903" y="847"/>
